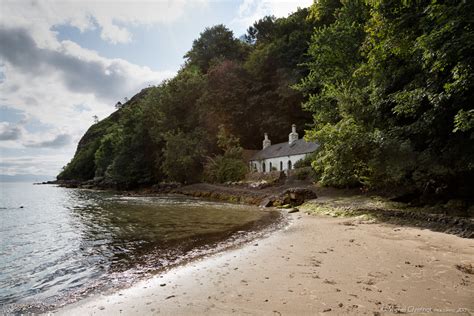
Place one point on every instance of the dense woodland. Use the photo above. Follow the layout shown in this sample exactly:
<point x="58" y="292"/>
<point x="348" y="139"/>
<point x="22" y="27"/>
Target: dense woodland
<point x="385" y="87"/>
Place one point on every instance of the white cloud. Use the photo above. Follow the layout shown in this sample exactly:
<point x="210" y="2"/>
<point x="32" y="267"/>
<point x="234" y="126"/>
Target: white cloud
<point x="9" y="132"/>
<point x="61" y="84"/>
<point x="252" y="10"/>
<point x="48" y="83"/>
<point x="110" y="16"/>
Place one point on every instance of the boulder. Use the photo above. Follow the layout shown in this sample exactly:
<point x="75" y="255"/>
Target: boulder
<point x="297" y="196"/>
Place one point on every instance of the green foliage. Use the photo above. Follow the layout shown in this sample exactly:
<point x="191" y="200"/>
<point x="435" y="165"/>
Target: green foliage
<point x="230" y="165"/>
<point x="107" y="150"/>
<point x="464" y="120"/>
<point x="182" y="156"/>
<point x="174" y="103"/>
<point x="306" y="161"/>
<point x="132" y="164"/>
<point x="82" y="166"/>
<point x="215" y="44"/>
<point x="305" y="173"/>
<point x="390" y="90"/>
<point x="223" y="169"/>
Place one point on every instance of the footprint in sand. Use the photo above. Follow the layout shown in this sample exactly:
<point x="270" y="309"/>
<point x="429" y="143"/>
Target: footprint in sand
<point x="332" y="282"/>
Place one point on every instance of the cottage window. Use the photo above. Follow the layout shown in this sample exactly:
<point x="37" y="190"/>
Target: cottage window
<point x="270" y="169"/>
<point x="281" y="165"/>
<point x="289" y="164"/>
<point x="263" y="167"/>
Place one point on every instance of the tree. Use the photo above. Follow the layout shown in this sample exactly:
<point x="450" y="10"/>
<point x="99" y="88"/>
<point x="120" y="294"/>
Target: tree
<point x="228" y="166"/>
<point x="224" y="101"/>
<point x="214" y="44"/>
<point x="388" y="88"/>
<point x="182" y="156"/>
<point x="106" y="153"/>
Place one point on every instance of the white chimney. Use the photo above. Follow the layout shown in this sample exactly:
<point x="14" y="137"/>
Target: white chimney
<point x="266" y="142"/>
<point x="293" y="136"/>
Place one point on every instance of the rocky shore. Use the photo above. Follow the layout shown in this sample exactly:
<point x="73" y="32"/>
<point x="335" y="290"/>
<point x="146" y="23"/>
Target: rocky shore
<point x="337" y="203"/>
<point x="316" y="200"/>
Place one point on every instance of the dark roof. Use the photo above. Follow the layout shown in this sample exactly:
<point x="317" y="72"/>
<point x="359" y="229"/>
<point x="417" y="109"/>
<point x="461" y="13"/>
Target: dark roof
<point x="247" y="154"/>
<point x="298" y="147"/>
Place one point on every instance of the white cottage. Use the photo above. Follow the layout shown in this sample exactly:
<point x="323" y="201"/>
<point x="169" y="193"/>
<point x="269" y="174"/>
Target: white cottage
<point x="282" y="156"/>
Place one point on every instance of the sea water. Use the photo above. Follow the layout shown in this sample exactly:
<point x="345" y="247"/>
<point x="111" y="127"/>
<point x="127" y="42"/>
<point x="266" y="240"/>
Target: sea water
<point x="58" y="244"/>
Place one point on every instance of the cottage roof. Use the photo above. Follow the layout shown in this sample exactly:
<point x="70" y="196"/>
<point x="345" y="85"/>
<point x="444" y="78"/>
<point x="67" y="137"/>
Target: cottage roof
<point x="298" y="147"/>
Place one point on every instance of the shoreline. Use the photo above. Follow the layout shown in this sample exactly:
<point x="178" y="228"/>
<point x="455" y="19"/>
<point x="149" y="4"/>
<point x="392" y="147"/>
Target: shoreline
<point x="437" y="218"/>
<point x="315" y="265"/>
<point x="270" y="221"/>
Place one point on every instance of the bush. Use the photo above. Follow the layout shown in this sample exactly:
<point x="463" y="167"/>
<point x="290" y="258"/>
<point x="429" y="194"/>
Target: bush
<point x="230" y="166"/>
<point x="224" y="169"/>
<point x="306" y="161"/>
<point x="304" y="173"/>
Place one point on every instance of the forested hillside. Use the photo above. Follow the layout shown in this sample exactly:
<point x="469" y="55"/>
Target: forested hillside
<point x="386" y="88"/>
<point x="231" y="88"/>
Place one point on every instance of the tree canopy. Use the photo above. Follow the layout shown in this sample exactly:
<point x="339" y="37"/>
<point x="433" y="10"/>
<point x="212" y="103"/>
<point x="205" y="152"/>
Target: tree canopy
<point x="390" y="86"/>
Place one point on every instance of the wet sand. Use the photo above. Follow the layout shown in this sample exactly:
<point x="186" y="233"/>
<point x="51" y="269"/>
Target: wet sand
<point x="317" y="265"/>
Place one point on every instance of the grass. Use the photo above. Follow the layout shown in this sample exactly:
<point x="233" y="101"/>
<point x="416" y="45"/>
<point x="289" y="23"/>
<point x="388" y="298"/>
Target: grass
<point x="350" y="206"/>
<point x="336" y="211"/>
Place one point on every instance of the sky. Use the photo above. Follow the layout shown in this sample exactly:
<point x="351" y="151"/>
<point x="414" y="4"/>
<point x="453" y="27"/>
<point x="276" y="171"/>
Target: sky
<point x="63" y="62"/>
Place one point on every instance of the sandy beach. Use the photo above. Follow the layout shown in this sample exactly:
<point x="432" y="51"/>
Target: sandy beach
<point x="317" y="265"/>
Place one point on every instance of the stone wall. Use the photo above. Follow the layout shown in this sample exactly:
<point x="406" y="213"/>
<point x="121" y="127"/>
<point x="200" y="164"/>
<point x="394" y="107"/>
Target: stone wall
<point x="271" y="177"/>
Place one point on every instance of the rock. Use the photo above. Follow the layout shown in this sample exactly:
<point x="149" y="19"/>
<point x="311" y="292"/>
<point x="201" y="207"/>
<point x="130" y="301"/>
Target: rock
<point x="455" y="205"/>
<point x="293" y="210"/>
<point x="470" y="211"/>
<point x="267" y="202"/>
<point x="296" y="196"/>
<point x="466" y="268"/>
<point x="259" y="184"/>
<point x="327" y="310"/>
<point x="163" y="284"/>
<point x="165" y="187"/>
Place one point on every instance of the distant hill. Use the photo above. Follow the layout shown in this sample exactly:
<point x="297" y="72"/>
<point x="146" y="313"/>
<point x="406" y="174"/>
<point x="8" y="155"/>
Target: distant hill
<point x="25" y="178"/>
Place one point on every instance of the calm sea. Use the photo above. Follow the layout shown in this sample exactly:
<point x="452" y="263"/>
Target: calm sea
<point x="59" y="244"/>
